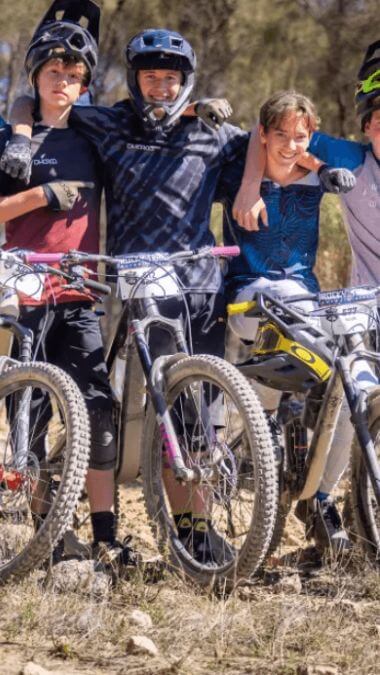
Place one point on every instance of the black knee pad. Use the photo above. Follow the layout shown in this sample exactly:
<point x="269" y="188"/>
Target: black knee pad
<point x="103" y="443"/>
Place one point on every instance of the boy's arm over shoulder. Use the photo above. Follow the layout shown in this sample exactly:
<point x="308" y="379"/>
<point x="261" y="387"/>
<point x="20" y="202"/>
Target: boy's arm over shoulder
<point x="95" y="121"/>
<point x="233" y="142"/>
<point x="337" y="152"/>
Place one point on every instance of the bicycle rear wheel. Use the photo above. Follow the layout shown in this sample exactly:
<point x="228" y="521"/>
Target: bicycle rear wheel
<point x="239" y="498"/>
<point x="44" y="451"/>
<point x="363" y="501"/>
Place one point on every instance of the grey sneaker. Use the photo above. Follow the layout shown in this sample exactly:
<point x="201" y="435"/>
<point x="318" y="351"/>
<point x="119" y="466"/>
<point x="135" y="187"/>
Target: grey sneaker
<point x="116" y="555"/>
<point x="328" y="528"/>
<point x="324" y="524"/>
<point x="212" y="549"/>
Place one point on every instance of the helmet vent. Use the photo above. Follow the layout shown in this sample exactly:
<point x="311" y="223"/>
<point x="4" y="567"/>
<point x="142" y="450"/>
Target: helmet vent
<point x="148" y="40"/>
<point x="175" y="42"/>
<point x="77" y="40"/>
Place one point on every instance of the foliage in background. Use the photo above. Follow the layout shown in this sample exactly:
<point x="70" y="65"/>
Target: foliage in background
<point x="246" y="49"/>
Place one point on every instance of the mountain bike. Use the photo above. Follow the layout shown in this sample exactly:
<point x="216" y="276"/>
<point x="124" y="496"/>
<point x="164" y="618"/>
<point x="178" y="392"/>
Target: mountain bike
<point x="175" y="421"/>
<point x="39" y="486"/>
<point x="314" y="354"/>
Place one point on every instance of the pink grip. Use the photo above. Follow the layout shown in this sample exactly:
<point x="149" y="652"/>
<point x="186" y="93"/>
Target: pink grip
<point x="231" y="251"/>
<point x="43" y="257"/>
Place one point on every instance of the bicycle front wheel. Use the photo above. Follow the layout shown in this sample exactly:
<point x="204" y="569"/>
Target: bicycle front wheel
<point x="363" y="501"/>
<point x="237" y="505"/>
<point x="44" y="451"/>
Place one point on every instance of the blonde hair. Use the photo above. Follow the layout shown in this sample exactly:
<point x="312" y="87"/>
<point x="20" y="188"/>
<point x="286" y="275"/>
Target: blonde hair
<point x="282" y="103"/>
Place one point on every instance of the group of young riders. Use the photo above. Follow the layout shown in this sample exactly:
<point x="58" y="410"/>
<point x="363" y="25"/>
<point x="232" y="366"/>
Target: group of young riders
<point x="163" y="161"/>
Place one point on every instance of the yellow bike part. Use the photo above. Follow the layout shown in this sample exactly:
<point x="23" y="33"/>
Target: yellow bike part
<point x="269" y="339"/>
<point x="240" y="307"/>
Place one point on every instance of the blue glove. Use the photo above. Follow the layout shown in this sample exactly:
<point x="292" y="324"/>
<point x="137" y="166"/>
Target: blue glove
<point x="336" y="180"/>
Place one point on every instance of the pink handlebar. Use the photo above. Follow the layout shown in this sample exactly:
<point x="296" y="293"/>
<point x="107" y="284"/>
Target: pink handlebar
<point x="48" y="258"/>
<point x="43" y="257"/>
<point x="231" y="251"/>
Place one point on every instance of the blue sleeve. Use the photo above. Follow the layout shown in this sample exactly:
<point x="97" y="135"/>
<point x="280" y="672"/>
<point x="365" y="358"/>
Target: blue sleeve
<point x="338" y="152"/>
<point x="234" y="143"/>
<point x="5" y="134"/>
<point x="232" y="140"/>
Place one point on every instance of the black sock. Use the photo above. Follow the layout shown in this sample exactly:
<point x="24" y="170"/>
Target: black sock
<point x="201" y="527"/>
<point x="103" y="526"/>
<point x="183" y="523"/>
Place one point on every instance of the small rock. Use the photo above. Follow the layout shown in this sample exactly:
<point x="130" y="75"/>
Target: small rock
<point x="139" y="644"/>
<point x="87" y="621"/>
<point x="83" y="576"/>
<point x="288" y="584"/>
<point x="317" y="670"/>
<point x="34" y="669"/>
<point x="140" y="619"/>
<point x="352" y="607"/>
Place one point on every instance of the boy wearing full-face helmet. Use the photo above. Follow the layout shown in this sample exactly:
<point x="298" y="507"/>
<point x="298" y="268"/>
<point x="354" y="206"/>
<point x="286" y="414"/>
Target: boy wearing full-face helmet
<point x="163" y="173"/>
<point x="59" y="212"/>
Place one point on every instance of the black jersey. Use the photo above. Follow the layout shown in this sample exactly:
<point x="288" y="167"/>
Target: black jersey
<point x="57" y="154"/>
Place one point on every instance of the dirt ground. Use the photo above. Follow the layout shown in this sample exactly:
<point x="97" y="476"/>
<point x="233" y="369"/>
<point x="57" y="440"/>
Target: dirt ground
<point x="300" y="617"/>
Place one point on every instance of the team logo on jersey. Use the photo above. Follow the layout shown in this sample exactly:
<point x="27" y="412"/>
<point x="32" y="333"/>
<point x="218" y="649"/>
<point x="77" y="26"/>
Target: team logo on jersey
<point x="141" y="146"/>
<point x="43" y="160"/>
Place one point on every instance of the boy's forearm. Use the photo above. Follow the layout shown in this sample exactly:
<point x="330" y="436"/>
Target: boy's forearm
<point x="21" y="115"/>
<point x="249" y="208"/>
<point x="21" y="203"/>
<point x="309" y="162"/>
<point x="190" y="110"/>
<point x="255" y="160"/>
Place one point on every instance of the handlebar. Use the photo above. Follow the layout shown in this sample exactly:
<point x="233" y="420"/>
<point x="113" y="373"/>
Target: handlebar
<point x="80" y="256"/>
<point x="323" y="298"/>
<point x="43" y="261"/>
<point x="77" y="257"/>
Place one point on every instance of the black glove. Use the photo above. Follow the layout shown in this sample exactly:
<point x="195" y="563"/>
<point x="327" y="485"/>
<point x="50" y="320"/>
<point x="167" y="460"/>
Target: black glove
<point x="61" y="195"/>
<point x="336" y="180"/>
<point x="213" y="111"/>
<point x="16" y="159"/>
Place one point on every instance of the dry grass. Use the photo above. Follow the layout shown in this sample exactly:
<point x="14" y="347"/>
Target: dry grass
<point x="334" y="621"/>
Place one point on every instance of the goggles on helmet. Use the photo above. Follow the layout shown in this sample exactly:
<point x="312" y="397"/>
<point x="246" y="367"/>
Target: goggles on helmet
<point x="371" y="83"/>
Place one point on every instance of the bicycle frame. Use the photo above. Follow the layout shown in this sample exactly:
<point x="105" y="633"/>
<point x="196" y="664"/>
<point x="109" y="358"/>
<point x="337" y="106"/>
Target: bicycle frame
<point x="131" y="336"/>
<point x="340" y="384"/>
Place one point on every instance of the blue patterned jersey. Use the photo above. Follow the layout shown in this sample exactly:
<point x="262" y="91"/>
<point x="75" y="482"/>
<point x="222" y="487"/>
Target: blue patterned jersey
<point x="287" y="247"/>
<point x="160" y="186"/>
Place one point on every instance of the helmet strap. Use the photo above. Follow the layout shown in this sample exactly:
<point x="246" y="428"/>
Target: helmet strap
<point x="36" y="113"/>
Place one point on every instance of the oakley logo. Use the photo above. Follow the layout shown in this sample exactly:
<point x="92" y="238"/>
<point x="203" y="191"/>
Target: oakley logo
<point x="44" y="160"/>
<point x="140" y="146"/>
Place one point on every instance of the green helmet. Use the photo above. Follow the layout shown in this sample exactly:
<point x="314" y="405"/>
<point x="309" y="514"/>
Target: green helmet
<point x="367" y="95"/>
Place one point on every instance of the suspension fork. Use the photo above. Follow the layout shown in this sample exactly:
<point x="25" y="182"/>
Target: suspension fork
<point x="155" y="384"/>
<point x="24" y="338"/>
<point x="166" y="427"/>
<point x="357" y="401"/>
<point x="323" y="435"/>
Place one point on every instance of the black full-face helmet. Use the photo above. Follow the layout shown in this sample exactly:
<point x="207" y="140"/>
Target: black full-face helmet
<point x="54" y="36"/>
<point x="367" y="96"/>
<point x="158" y="49"/>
